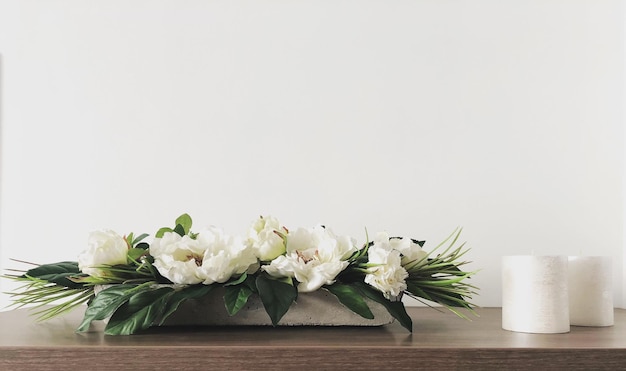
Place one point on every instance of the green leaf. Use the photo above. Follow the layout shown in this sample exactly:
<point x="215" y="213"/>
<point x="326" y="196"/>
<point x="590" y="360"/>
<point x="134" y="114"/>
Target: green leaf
<point x="129" y="239"/>
<point x="351" y="298"/>
<point x="179" y="296"/>
<point x="138" y="239"/>
<point x="105" y="303"/>
<point x="142" y="245"/>
<point x="395" y="308"/>
<point x="236" y="297"/>
<point x="180" y="230"/>
<point x="162" y="231"/>
<point x="415" y="289"/>
<point x="139" y="312"/>
<point x="239" y="280"/>
<point x="57" y="273"/>
<point x="277" y="296"/>
<point x="185" y="222"/>
<point x="439" y="278"/>
<point x="134" y="254"/>
<point x="250" y="282"/>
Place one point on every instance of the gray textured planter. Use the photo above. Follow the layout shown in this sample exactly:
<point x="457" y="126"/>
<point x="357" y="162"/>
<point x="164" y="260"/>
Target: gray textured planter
<point x="318" y="308"/>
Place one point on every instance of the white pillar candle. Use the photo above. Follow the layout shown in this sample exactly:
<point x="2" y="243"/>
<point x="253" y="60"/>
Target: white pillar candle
<point x="535" y="294"/>
<point x="591" y="291"/>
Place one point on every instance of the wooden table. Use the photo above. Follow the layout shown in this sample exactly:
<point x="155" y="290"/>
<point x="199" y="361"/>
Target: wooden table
<point x="439" y="341"/>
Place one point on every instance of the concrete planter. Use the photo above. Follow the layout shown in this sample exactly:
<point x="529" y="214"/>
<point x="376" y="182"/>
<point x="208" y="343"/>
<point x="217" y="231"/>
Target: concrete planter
<point x="318" y="308"/>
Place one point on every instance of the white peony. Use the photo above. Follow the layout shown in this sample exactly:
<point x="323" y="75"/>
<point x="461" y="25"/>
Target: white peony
<point x="212" y="256"/>
<point x="410" y="251"/>
<point x="224" y="256"/>
<point x="178" y="258"/>
<point x="263" y="239"/>
<point x="387" y="274"/>
<point x="105" y="247"/>
<point x="314" y="257"/>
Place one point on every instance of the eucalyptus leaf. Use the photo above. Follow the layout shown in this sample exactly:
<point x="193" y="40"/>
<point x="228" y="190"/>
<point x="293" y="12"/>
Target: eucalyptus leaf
<point x="162" y="231"/>
<point x="185" y="222"/>
<point x="277" y="296"/>
<point x="351" y="298"/>
<point x="180" y="230"/>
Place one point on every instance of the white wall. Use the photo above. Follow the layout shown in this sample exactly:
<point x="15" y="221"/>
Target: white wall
<point x="623" y="11"/>
<point x="505" y="117"/>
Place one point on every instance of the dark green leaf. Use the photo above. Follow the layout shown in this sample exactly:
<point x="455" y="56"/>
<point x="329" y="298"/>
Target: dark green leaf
<point x="277" y="296"/>
<point x="351" y="298"/>
<point x="180" y="230"/>
<point x="250" y="282"/>
<point x="55" y="268"/>
<point x="138" y="239"/>
<point x="57" y="273"/>
<point x="149" y="259"/>
<point x="139" y="312"/>
<point x="238" y="280"/>
<point x="185" y="222"/>
<point x="142" y="245"/>
<point x="162" y="231"/>
<point x="189" y="292"/>
<point x="395" y="308"/>
<point x="236" y="297"/>
<point x="105" y="303"/>
<point x="416" y="290"/>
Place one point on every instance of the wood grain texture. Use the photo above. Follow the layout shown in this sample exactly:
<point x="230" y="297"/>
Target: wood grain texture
<point x="439" y="340"/>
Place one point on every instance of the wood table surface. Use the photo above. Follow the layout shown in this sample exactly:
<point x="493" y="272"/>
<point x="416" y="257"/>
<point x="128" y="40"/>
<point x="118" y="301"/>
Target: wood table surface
<point x="440" y="340"/>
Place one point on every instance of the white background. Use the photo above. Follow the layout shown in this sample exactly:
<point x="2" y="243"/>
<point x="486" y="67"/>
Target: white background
<point x="504" y="117"/>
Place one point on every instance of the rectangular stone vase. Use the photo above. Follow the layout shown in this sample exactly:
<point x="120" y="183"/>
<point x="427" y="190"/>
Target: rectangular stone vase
<point x="318" y="308"/>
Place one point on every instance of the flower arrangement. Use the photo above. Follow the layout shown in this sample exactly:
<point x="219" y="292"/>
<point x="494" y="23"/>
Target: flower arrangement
<point x="144" y="283"/>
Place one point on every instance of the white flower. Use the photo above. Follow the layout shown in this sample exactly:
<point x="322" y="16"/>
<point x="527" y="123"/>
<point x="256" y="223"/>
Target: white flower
<point x="105" y="247"/>
<point x="387" y="274"/>
<point x="211" y="256"/>
<point x="411" y="252"/>
<point x="224" y="256"/>
<point x="263" y="239"/>
<point x="178" y="258"/>
<point x="314" y="257"/>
